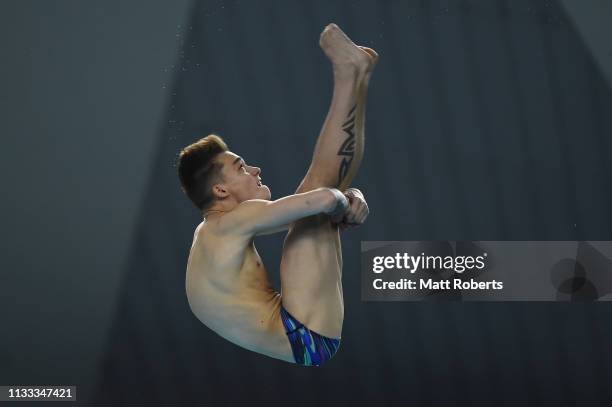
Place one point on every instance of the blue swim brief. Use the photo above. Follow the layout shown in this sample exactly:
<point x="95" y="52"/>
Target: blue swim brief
<point x="309" y="348"/>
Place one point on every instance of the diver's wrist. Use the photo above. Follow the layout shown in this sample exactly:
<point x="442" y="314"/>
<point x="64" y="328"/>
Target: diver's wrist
<point x="340" y="204"/>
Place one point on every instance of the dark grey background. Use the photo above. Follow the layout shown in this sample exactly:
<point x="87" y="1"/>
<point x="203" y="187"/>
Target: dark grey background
<point x="487" y="120"/>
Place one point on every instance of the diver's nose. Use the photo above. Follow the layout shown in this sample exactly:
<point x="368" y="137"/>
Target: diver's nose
<point x="257" y="170"/>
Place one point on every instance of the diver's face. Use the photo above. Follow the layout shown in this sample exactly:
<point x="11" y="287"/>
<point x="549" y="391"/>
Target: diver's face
<point x="241" y="180"/>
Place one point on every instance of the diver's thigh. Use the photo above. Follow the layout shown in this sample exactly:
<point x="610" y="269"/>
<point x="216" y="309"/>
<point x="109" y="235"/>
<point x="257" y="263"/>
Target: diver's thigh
<point x="311" y="249"/>
<point x="311" y="270"/>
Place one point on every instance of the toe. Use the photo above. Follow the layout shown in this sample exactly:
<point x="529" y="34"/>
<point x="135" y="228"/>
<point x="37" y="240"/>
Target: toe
<point x="370" y="51"/>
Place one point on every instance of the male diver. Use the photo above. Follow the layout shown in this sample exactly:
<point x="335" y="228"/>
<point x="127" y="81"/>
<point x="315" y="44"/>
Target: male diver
<point x="226" y="283"/>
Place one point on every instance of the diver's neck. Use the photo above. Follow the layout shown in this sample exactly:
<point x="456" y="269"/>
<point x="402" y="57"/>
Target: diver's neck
<point x="219" y="209"/>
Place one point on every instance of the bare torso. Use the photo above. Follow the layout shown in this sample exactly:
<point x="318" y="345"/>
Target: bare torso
<point x="229" y="291"/>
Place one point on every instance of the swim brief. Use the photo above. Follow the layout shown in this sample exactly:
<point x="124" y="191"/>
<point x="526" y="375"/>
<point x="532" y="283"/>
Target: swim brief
<point x="309" y="348"/>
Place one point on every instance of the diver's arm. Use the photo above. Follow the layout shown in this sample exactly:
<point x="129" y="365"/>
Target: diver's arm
<point x="256" y="216"/>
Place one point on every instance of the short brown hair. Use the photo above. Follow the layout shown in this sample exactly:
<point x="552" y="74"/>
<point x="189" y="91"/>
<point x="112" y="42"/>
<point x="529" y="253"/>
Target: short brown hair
<point x="198" y="169"/>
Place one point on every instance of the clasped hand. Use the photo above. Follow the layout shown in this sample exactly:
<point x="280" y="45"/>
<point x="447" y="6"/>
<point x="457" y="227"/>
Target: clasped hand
<point x="357" y="211"/>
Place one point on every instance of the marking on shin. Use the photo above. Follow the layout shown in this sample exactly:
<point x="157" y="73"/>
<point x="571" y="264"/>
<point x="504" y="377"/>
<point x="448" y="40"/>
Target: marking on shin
<point x="350" y="117"/>
<point x="347" y="149"/>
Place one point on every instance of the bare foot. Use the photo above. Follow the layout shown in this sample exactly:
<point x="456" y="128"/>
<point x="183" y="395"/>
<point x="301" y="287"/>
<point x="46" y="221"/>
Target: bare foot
<point x="348" y="60"/>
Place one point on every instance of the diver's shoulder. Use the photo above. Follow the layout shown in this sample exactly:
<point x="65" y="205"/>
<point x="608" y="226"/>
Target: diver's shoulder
<point x="213" y="230"/>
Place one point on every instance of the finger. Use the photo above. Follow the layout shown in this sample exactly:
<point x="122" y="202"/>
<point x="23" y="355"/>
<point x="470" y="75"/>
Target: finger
<point x="365" y="216"/>
<point x="361" y="208"/>
<point x="354" y="214"/>
<point x="362" y="215"/>
<point x="356" y="206"/>
<point x="366" y="211"/>
<point x="359" y="211"/>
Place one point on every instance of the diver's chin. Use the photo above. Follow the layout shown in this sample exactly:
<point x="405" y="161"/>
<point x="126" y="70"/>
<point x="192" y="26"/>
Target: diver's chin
<point x="265" y="192"/>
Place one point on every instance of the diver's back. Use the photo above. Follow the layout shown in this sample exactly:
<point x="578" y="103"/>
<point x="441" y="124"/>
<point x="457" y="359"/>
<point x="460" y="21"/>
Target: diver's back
<point x="228" y="291"/>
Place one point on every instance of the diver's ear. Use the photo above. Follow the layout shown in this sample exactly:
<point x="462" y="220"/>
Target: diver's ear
<point x="220" y="191"/>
